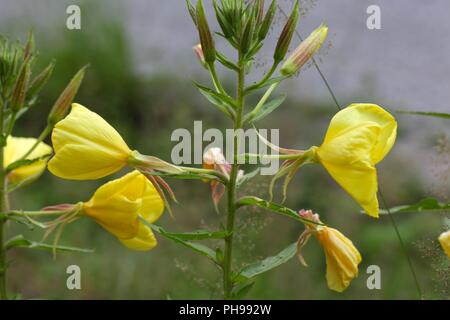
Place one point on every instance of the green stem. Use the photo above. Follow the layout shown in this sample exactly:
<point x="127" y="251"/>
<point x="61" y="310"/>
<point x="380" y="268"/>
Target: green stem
<point x="266" y="77"/>
<point x="263" y="100"/>
<point x="20" y="213"/>
<point x="3" y="206"/>
<point x="41" y="138"/>
<point x="228" y="255"/>
<point x="215" y="79"/>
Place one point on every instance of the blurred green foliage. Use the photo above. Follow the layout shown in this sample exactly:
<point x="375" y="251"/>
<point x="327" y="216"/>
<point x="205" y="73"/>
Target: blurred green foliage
<point x="145" y="109"/>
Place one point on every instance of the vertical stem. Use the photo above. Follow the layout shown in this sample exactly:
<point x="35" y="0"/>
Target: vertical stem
<point x="3" y="204"/>
<point x="228" y="256"/>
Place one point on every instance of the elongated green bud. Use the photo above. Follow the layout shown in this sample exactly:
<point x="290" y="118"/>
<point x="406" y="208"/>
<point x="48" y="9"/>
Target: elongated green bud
<point x="259" y="9"/>
<point x="64" y="101"/>
<point x="39" y="82"/>
<point x="247" y="36"/>
<point x="29" y="47"/>
<point x="206" y="39"/>
<point x="267" y="22"/>
<point x="286" y="35"/>
<point x="192" y="12"/>
<point x="305" y="51"/>
<point x="19" y="92"/>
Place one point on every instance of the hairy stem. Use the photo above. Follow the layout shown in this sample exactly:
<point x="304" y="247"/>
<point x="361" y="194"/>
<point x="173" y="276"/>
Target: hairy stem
<point x="228" y="256"/>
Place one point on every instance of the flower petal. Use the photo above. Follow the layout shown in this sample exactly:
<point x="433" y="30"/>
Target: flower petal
<point x="145" y="240"/>
<point x="363" y="112"/>
<point x="347" y="160"/>
<point x="86" y="146"/>
<point x="15" y="149"/>
<point x="342" y="258"/>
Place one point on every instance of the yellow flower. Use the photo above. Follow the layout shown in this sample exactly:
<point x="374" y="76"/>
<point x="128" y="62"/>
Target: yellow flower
<point x="341" y="256"/>
<point x="358" y="137"/>
<point x="444" y="239"/>
<point x="15" y="149"/>
<point x="86" y="147"/>
<point x="118" y="204"/>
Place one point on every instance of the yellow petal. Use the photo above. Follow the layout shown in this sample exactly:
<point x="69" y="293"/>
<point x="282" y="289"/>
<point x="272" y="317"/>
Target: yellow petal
<point x="117" y="205"/>
<point x="444" y="239"/>
<point x="145" y="239"/>
<point x="15" y="149"/>
<point x="347" y="159"/>
<point x="358" y="113"/>
<point x="152" y="204"/>
<point x="86" y="146"/>
<point x="342" y="258"/>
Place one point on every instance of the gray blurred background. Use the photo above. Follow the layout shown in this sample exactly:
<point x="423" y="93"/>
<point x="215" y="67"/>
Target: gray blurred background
<point x="142" y="65"/>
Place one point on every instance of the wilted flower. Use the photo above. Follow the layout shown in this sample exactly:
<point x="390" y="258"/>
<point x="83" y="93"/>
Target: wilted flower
<point x="118" y="204"/>
<point x="15" y="149"/>
<point x="444" y="239"/>
<point x="214" y="159"/>
<point x="342" y="258"/>
<point x="304" y="51"/>
<point x="358" y="137"/>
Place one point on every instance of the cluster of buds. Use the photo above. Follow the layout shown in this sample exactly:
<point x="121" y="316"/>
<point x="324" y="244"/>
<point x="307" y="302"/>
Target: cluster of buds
<point x="246" y="26"/>
<point x="17" y="82"/>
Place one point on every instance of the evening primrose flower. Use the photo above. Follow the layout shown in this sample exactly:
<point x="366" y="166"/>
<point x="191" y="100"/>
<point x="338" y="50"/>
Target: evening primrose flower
<point x="358" y="138"/>
<point x="87" y="148"/>
<point x="118" y="205"/>
<point x="342" y="258"/>
<point x="15" y="149"/>
<point x="444" y="239"/>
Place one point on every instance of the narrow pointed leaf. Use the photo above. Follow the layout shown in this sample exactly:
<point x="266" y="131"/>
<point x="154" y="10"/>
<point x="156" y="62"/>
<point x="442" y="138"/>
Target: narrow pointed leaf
<point x="267" y="264"/>
<point x="20" y="242"/>
<point x="425" y="205"/>
<point x="266" y="109"/>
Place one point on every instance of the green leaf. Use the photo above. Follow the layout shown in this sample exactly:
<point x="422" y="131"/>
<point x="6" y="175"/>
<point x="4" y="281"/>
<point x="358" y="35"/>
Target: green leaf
<point x="267" y="264"/>
<point x="240" y="292"/>
<point x="197" y="247"/>
<point x="266" y="109"/>
<point x="266" y="84"/>
<point x="425" y="205"/>
<point x="275" y="207"/>
<point x="20" y="242"/>
<point x="428" y="114"/>
<point x="198" y="235"/>
<point x="222" y="102"/>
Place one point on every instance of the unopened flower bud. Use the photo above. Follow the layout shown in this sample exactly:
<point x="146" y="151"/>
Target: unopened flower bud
<point x="304" y="51"/>
<point x="286" y="35"/>
<point x="29" y="47"/>
<point x="267" y="22"/>
<point x="206" y="39"/>
<point x="64" y="101"/>
<point x="199" y="53"/>
<point x="40" y="80"/>
<point x="20" y="88"/>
